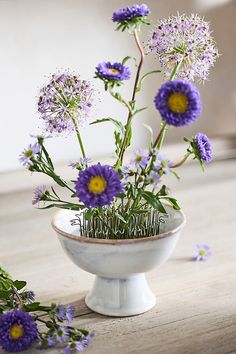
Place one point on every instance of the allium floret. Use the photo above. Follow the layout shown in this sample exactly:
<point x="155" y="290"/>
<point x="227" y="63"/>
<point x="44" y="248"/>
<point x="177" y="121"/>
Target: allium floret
<point x="97" y="185"/>
<point x="178" y="102"/>
<point x="184" y="40"/>
<point x="64" y="99"/>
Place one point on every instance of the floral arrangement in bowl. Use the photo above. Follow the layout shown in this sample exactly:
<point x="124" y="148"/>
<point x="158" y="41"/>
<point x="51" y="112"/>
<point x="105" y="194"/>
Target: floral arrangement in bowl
<point x="119" y="220"/>
<point x="122" y="199"/>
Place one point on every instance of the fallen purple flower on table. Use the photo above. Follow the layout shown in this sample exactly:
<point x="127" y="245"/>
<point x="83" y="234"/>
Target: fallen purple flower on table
<point x="201" y="252"/>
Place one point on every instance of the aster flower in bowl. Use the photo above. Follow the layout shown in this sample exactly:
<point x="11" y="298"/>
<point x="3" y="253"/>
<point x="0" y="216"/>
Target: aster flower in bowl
<point x="120" y="220"/>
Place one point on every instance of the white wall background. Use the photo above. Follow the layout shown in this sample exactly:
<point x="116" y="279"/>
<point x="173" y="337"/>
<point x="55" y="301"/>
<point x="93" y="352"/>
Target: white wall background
<point x="38" y="37"/>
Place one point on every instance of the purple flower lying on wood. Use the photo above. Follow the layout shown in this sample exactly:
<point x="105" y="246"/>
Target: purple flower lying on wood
<point x="17" y="331"/>
<point x="178" y="102"/>
<point x="97" y="185"/>
<point x="64" y="99"/>
<point x="128" y="13"/>
<point x="115" y="71"/>
<point x="187" y="41"/>
<point x="204" y="147"/>
<point x="201" y="252"/>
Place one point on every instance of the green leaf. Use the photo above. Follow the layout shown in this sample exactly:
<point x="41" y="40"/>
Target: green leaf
<point x="153" y="201"/>
<point x="173" y="202"/>
<point x="32" y="307"/>
<point x="69" y="206"/>
<point x="120" y="217"/>
<point x="19" y="284"/>
<point x="117" y="123"/>
<point x="47" y="157"/>
<point x="5" y="294"/>
<point x="139" y="86"/>
<point x="162" y="191"/>
<point x="149" y="128"/>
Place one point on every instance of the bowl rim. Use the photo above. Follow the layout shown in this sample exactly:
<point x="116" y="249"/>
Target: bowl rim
<point x="114" y="241"/>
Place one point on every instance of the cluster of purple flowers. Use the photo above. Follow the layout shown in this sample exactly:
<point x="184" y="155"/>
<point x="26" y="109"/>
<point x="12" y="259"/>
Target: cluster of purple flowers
<point x="185" y="40"/>
<point x="65" y="98"/>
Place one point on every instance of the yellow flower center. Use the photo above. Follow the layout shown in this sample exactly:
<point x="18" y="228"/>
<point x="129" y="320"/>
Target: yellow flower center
<point x="202" y="252"/>
<point x="113" y="71"/>
<point x="97" y="185"/>
<point x="178" y="102"/>
<point x="16" y="331"/>
<point x="28" y="153"/>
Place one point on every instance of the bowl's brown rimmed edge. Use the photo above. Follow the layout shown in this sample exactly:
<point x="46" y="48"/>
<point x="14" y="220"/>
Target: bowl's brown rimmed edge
<point x="114" y="241"/>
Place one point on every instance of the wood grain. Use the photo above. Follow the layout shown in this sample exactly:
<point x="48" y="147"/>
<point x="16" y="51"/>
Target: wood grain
<point x="196" y="302"/>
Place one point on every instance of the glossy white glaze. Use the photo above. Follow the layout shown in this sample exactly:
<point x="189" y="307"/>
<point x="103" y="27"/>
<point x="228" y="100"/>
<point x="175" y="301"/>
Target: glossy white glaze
<point x="120" y="287"/>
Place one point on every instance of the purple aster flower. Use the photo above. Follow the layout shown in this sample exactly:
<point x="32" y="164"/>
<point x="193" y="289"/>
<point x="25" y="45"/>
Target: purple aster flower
<point x="185" y="40"/>
<point x="38" y="194"/>
<point x="201" y="252"/>
<point x="28" y="296"/>
<point x="64" y="99"/>
<point x="45" y="342"/>
<point x="61" y="334"/>
<point x="116" y="71"/>
<point x="83" y="162"/>
<point x="153" y="178"/>
<point x="29" y="154"/>
<point x="204" y="148"/>
<point x="141" y="159"/>
<point x="18" y="331"/>
<point x="162" y="164"/>
<point x="178" y="102"/>
<point x="64" y="313"/>
<point x="74" y="346"/>
<point x="129" y="13"/>
<point x="97" y="185"/>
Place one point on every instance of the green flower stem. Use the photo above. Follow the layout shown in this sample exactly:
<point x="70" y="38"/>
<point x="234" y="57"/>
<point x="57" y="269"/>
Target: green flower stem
<point x="160" y="138"/>
<point x="78" y="136"/>
<point x="180" y="163"/>
<point x="129" y="119"/>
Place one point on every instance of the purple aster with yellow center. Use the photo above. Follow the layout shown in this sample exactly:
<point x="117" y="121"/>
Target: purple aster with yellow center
<point x="65" y="102"/>
<point x="201" y="252"/>
<point x="116" y="71"/>
<point x="64" y="313"/>
<point x="178" y="102"/>
<point x="202" y="147"/>
<point x="39" y="194"/>
<point x="131" y="12"/>
<point x="45" y="342"/>
<point x="18" y="331"/>
<point x="97" y="185"/>
<point x="184" y="40"/>
<point x="29" y="154"/>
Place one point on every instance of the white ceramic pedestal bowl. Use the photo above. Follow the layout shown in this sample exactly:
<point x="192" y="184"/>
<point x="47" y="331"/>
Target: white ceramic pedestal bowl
<point x="120" y="287"/>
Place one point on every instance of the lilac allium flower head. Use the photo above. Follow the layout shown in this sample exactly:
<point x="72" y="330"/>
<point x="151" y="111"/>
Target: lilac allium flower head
<point x="162" y="164"/>
<point x="64" y="313"/>
<point x="201" y="252"/>
<point x="203" y="149"/>
<point x="178" y="102"/>
<point x="29" y="154"/>
<point x="141" y="159"/>
<point x="18" y="331"/>
<point x="66" y="97"/>
<point x="116" y="71"/>
<point x="39" y="194"/>
<point x="185" y="40"/>
<point x="97" y="185"/>
<point x="129" y="13"/>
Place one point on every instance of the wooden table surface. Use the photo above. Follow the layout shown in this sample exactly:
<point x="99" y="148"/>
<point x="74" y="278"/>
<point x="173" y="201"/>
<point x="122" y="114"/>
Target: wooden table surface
<point x="196" y="301"/>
